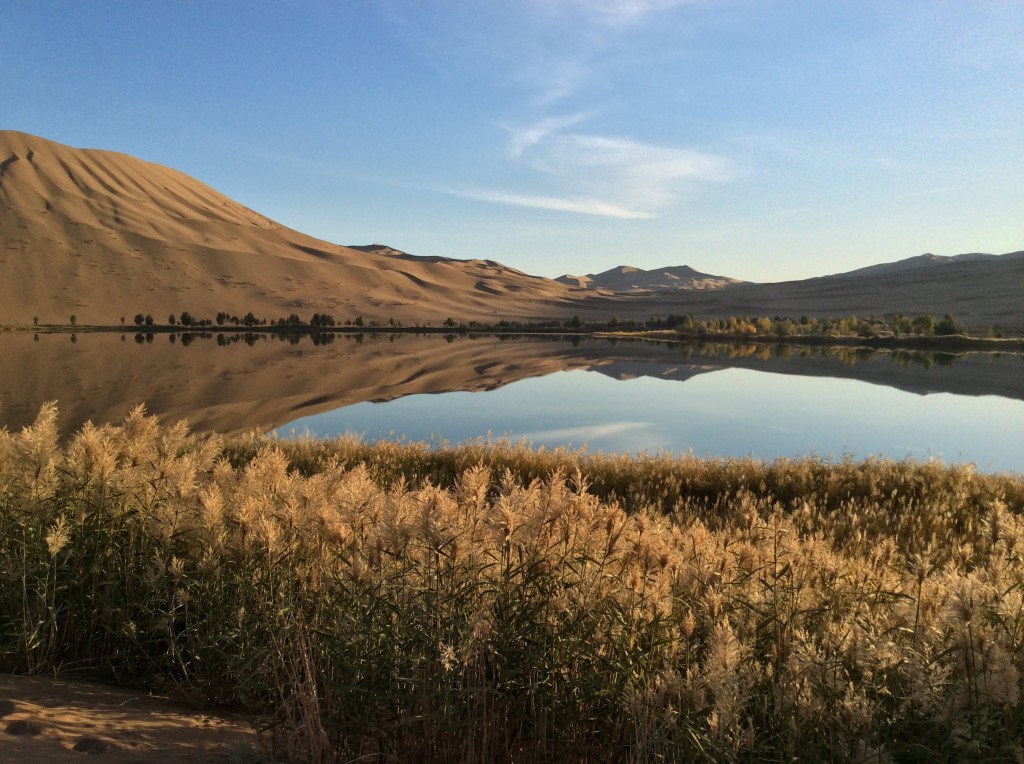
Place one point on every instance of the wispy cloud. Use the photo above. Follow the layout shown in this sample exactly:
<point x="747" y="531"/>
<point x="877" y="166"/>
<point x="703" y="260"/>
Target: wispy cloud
<point x="642" y="167"/>
<point x="578" y="206"/>
<point x="527" y="136"/>
<point x="616" y="12"/>
<point x="558" y="52"/>
<point x="555" y="78"/>
<point x="572" y="39"/>
<point x="603" y="175"/>
<point x="927" y="192"/>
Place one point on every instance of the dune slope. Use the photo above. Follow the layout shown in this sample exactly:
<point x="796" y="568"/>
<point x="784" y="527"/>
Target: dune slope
<point x="103" y="235"/>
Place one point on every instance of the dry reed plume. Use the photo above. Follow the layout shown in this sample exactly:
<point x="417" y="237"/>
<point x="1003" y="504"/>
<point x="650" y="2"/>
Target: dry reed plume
<point x="490" y="603"/>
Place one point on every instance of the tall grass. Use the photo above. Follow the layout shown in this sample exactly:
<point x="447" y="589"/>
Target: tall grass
<point x="491" y="603"/>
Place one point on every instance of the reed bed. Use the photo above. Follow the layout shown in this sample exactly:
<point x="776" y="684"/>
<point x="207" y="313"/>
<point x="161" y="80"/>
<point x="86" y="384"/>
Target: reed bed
<point x="489" y="603"/>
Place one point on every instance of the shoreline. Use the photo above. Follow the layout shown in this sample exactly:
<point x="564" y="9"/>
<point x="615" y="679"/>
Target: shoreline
<point x="953" y="343"/>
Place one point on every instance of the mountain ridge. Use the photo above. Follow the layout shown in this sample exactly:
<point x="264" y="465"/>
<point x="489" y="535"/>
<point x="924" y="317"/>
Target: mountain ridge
<point x="632" y="279"/>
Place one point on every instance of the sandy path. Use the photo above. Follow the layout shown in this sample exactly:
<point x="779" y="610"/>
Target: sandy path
<point x="54" y="720"/>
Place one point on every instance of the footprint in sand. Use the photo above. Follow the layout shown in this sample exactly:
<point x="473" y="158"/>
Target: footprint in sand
<point x="90" y="744"/>
<point x="24" y="727"/>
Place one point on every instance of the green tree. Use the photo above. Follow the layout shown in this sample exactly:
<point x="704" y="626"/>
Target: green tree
<point x="924" y="325"/>
<point x="902" y="324"/>
<point x="74" y="319"/>
<point x="171" y="319"/>
<point x="186" y="318"/>
<point x="139" y="319"/>
<point x="784" y="328"/>
<point x="948" y="326"/>
<point x="148" y="320"/>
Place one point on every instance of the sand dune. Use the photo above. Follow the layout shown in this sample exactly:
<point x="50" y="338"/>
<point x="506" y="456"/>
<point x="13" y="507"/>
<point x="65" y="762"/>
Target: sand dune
<point x="103" y="235"/>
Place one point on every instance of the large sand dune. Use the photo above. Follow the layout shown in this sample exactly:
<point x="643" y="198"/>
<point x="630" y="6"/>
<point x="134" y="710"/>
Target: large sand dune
<point x="103" y="235"/>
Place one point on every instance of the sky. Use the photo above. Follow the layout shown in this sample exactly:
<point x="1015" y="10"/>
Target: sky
<point x="765" y="140"/>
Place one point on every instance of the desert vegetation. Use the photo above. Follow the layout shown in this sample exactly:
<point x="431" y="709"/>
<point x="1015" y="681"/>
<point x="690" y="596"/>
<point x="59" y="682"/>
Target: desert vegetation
<point x="487" y="602"/>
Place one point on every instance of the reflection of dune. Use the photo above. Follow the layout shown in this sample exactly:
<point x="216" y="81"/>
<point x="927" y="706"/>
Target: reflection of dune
<point x="238" y="387"/>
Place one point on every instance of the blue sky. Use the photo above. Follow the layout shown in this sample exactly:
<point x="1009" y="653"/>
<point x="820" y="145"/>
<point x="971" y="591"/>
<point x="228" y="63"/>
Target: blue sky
<point x="760" y="139"/>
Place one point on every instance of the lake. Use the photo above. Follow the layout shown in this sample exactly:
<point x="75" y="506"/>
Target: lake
<point x="606" y="395"/>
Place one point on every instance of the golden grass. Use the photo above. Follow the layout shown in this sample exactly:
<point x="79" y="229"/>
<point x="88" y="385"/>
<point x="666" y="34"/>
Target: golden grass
<point x="492" y="603"/>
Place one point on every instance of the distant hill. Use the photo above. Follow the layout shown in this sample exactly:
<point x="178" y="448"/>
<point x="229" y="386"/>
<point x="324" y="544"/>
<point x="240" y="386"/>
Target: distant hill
<point x="922" y="263"/>
<point x="103" y="235"/>
<point x="627" y="279"/>
<point x="982" y="290"/>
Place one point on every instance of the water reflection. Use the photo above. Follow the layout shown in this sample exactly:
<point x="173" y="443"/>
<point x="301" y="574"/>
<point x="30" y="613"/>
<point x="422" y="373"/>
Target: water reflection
<point x="232" y="382"/>
<point x="726" y="412"/>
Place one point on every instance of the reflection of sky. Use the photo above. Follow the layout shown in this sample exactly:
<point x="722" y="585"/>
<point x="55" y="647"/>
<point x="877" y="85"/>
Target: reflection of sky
<point x="731" y="412"/>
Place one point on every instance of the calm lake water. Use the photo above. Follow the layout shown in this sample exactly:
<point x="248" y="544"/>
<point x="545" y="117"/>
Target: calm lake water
<point x="607" y="396"/>
<point x="725" y="412"/>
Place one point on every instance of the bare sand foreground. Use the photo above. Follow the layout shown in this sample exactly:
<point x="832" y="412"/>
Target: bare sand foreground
<point x="55" y="720"/>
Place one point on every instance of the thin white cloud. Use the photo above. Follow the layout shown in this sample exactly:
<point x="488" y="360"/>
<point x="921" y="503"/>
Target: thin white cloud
<point x="629" y="174"/>
<point x="644" y="162"/>
<point x="616" y="12"/>
<point x="927" y="192"/>
<point x="556" y="204"/>
<point x="523" y="138"/>
<point x="602" y="175"/>
<point x="575" y="37"/>
<point x="551" y="80"/>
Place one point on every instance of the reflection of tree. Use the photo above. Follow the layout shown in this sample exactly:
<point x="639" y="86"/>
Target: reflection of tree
<point x="925" y="358"/>
<point x="845" y="354"/>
